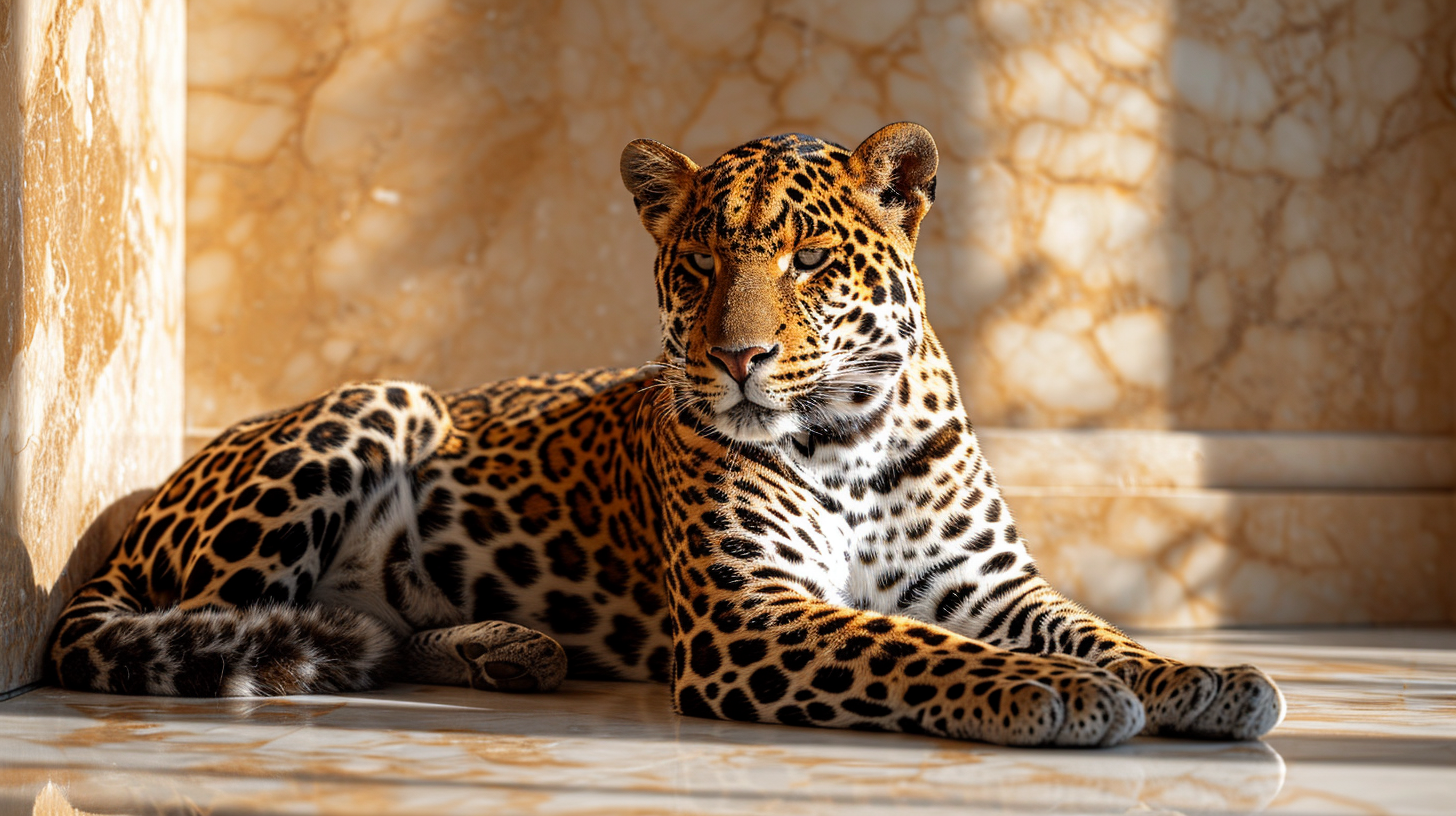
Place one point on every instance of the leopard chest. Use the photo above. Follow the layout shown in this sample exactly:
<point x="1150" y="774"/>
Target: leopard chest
<point x="883" y="522"/>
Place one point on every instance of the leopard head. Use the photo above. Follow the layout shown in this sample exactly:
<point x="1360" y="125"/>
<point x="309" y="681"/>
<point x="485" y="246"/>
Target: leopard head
<point x="789" y="300"/>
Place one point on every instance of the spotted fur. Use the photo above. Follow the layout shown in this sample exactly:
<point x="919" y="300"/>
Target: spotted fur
<point x="787" y="517"/>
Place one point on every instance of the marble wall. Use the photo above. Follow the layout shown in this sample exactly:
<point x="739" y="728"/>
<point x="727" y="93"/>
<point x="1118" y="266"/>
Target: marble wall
<point x="91" y="274"/>
<point x="1214" y="215"/>
<point x="1212" y="236"/>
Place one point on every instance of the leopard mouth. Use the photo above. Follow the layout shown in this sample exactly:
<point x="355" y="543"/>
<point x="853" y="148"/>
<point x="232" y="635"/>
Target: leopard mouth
<point x="747" y="421"/>
<point x="839" y="404"/>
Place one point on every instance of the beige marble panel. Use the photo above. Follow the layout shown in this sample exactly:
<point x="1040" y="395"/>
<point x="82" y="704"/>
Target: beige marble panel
<point x="91" y="130"/>
<point x="1209" y="558"/>
<point x="1199" y="214"/>
<point x="1322" y="296"/>
<point x="1213" y="215"/>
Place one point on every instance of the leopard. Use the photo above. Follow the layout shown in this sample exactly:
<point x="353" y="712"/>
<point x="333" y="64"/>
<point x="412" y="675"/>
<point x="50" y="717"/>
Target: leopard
<point x="786" y="517"/>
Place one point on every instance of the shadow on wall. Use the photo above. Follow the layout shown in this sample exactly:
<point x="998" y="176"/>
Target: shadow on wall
<point x="1310" y="219"/>
<point x="92" y="551"/>
<point x="1309" y="229"/>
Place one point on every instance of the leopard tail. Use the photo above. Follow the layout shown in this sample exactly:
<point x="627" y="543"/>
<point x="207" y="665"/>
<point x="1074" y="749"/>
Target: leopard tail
<point x="110" y="639"/>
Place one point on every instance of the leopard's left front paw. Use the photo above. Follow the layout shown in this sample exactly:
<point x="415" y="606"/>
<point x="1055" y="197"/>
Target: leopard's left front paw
<point x="1231" y="703"/>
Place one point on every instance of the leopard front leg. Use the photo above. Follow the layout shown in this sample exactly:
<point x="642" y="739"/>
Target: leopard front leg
<point x="1181" y="699"/>
<point x="967" y="569"/>
<point x="789" y="658"/>
<point x="756" y="639"/>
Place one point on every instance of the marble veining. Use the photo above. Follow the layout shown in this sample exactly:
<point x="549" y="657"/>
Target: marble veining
<point x="1371" y="730"/>
<point x="1214" y="215"/>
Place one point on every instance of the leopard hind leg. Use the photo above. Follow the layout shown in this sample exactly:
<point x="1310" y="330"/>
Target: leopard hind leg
<point x="490" y="655"/>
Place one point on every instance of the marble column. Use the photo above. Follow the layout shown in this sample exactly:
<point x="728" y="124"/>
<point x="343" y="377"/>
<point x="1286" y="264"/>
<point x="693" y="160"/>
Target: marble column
<point x="1192" y="258"/>
<point x="92" y="99"/>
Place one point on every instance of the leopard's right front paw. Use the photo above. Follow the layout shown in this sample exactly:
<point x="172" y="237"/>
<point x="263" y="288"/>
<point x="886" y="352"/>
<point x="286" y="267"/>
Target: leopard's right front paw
<point x="1231" y="703"/>
<point x="1247" y="706"/>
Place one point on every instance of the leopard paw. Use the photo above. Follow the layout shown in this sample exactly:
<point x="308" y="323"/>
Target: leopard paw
<point x="530" y="661"/>
<point x="1024" y="714"/>
<point x="1237" y="703"/>
<point x="1068" y="704"/>
<point x="1101" y="710"/>
<point x="1248" y="705"/>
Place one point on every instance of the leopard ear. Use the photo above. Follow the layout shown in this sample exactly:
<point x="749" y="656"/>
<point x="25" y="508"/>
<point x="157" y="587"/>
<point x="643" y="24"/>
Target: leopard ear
<point x="658" y="178"/>
<point x="897" y="166"/>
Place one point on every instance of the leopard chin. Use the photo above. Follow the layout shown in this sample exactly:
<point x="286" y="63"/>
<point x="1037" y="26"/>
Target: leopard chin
<point x="747" y="421"/>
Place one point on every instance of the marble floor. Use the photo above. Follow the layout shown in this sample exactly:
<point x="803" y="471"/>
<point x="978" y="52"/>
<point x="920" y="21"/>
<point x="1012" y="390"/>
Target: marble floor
<point x="1371" y="730"/>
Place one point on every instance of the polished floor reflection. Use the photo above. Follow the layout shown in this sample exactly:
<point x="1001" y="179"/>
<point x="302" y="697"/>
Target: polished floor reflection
<point x="1371" y="730"/>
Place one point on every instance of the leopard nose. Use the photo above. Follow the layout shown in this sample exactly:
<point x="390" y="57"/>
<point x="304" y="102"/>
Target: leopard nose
<point x="739" y="363"/>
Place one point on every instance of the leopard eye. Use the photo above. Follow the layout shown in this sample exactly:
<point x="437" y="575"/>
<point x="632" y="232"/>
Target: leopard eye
<point x="701" y="261"/>
<point x="806" y="259"/>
